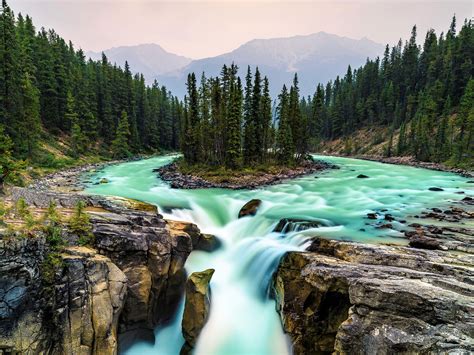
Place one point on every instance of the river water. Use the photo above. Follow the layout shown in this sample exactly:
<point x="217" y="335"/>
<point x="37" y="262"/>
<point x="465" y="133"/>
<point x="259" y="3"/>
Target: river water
<point x="243" y="319"/>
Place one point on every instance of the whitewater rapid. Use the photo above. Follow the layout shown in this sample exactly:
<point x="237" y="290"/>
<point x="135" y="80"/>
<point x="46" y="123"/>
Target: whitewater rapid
<point x="243" y="319"/>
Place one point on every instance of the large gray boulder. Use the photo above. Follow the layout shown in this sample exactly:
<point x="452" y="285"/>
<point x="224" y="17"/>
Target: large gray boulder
<point x="352" y="298"/>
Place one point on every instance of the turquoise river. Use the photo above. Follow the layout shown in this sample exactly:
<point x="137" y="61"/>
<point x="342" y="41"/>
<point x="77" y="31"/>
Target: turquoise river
<point x="243" y="319"/>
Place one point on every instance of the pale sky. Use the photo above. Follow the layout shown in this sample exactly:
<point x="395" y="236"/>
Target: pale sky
<point x="200" y="29"/>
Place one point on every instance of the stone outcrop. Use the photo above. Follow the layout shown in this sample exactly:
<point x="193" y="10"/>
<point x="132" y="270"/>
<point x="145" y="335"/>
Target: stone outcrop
<point x="352" y="298"/>
<point x="152" y="256"/>
<point x="196" y="308"/>
<point x="21" y="303"/>
<point x="90" y="296"/>
<point x="130" y="279"/>
<point x="75" y="312"/>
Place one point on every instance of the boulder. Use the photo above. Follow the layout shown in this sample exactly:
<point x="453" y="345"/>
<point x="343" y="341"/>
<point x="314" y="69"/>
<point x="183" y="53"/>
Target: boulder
<point x="362" y="176"/>
<point x="421" y="242"/>
<point x="208" y="242"/>
<point x="250" y="208"/>
<point x="435" y="189"/>
<point x="196" y="308"/>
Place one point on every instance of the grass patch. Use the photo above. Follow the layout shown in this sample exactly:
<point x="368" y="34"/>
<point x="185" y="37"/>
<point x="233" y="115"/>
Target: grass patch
<point x="221" y="174"/>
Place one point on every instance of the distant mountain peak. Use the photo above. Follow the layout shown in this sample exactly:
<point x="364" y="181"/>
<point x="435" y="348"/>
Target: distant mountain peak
<point x="150" y="59"/>
<point x="316" y="57"/>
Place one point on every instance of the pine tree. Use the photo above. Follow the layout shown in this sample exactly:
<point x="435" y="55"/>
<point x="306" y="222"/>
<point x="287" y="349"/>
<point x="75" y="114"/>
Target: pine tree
<point x="256" y="147"/>
<point x="10" y="80"/>
<point x="266" y="119"/>
<point x="284" y="138"/>
<point x="401" y="146"/>
<point x="233" y="143"/>
<point x="7" y="163"/>
<point x="30" y="124"/>
<point x="191" y="134"/>
<point x="78" y="140"/>
<point x="465" y="124"/>
<point x="250" y="128"/>
<point x="120" y="147"/>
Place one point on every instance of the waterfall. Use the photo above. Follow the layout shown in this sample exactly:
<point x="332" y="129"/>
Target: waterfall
<point x="243" y="319"/>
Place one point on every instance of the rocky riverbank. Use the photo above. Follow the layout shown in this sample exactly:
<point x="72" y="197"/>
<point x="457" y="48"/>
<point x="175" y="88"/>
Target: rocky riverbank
<point x="352" y="298"/>
<point x="238" y="180"/>
<point x="81" y="299"/>
<point x="411" y="161"/>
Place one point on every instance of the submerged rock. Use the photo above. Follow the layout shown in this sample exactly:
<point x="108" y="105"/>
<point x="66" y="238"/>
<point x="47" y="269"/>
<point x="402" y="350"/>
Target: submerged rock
<point x="352" y="298"/>
<point x="286" y="225"/>
<point x="250" y="208"/>
<point x="436" y="189"/>
<point x="196" y="308"/>
<point x="362" y="176"/>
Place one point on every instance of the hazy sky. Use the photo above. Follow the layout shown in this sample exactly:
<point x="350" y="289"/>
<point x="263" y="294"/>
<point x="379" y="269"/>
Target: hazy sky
<point x="199" y="29"/>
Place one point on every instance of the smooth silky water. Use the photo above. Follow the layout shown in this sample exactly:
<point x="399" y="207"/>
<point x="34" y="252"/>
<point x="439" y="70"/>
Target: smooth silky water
<point x="243" y="319"/>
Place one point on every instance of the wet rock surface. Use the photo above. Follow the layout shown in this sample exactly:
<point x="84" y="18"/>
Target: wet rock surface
<point x="355" y="298"/>
<point x="196" y="308"/>
<point x="171" y="174"/>
<point x="250" y="208"/>
<point x="286" y="225"/>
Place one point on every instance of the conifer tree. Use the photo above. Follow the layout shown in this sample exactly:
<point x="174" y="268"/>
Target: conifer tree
<point x="284" y="138"/>
<point x="7" y="163"/>
<point x="266" y="119"/>
<point x="250" y="128"/>
<point x="120" y="146"/>
<point x="256" y="145"/>
<point x="233" y="142"/>
<point x="30" y="124"/>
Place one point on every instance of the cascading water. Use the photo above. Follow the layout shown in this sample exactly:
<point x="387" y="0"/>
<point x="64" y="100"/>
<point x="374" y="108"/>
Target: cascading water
<point x="243" y="319"/>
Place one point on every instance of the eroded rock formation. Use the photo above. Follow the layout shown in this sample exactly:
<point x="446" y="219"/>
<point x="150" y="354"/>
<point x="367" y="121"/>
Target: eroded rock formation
<point x="196" y="308"/>
<point x="352" y="298"/>
<point x="131" y="278"/>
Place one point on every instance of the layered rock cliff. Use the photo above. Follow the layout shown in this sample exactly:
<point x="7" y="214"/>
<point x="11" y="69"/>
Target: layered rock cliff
<point x="351" y="298"/>
<point x="78" y="300"/>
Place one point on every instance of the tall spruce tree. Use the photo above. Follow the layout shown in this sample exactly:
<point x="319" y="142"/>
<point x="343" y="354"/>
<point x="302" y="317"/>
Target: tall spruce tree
<point x="285" y="145"/>
<point x="120" y="145"/>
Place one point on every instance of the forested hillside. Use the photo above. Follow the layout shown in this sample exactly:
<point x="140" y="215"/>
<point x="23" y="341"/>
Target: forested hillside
<point x="50" y="94"/>
<point x="425" y="95"/>
<point x="48" y="91"/>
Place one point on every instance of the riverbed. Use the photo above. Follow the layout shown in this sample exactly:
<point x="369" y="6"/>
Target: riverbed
<point x="243" y="319"/>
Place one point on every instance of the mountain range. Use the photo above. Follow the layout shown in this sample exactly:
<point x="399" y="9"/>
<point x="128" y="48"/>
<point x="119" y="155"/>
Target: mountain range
<point x="317" y="58"/>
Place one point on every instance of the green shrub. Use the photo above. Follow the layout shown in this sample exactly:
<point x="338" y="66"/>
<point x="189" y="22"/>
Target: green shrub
<point x="50" y="265"/>
<point x="21" y="208"/>
<point x="81" y="225"/>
